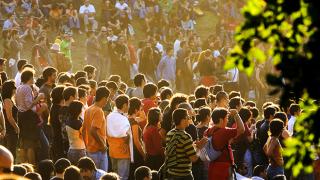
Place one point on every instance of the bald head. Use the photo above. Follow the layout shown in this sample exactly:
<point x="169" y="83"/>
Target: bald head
<point x="6" y="160"/>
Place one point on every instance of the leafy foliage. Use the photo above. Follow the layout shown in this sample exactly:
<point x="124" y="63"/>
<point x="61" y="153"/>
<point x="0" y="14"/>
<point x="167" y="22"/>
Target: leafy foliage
<point x="288" y="32"/>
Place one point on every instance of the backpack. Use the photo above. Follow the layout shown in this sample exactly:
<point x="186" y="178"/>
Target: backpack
<point x="208" y="153"/>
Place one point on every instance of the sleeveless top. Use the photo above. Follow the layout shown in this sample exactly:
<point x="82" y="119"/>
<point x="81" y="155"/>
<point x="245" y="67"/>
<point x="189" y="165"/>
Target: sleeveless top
<point x="9" y="127"/>
<point x="136" y="155"/>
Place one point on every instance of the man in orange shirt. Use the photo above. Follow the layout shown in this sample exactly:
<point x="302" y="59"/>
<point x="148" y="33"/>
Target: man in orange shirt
<point x="94" y="130"/>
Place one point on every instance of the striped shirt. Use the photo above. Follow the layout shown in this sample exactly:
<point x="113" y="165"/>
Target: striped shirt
<point x="178" y="150"/>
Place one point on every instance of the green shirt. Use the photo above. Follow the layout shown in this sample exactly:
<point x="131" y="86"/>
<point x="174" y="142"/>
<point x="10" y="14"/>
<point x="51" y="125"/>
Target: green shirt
<point x="178" y="150"/>
<point x="65" y="48"/>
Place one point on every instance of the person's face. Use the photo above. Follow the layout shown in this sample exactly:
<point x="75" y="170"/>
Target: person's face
<point x="31" y="81"/>
<point x="86" y="174"/>
<point x="225" y="102"/>
<point x="186" y="121"/>
<point x="53" y="78"/>
<point x="170" y="53"/>
<point x="225" y="121"/>
<point x="86" y="3"/>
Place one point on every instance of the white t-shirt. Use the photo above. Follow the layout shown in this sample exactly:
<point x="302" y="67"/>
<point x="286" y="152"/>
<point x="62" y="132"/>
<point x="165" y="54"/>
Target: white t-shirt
<point x="291" y="122"/>
<point x="122" y="6"/>
<point x="17" y="79"/>
<point x="176" y="47"/>
<point x="87" y="9"/>
<point x="233" y="75"/>
<point x="159" y="47"/>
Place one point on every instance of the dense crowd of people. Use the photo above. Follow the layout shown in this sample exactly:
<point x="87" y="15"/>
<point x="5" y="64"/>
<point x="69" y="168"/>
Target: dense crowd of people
<point x="164" y="109"/>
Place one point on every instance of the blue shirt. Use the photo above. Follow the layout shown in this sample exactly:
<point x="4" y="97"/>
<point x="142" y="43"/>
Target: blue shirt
<point x="167" y="68"/>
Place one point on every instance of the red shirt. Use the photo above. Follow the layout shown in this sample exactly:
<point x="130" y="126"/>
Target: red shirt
<point x="152" y="141"/>
<point x="243" y="136"/>
<point x="90" y="100"/>
<point x="148" y="104"/>
<point x="219" y="169"/>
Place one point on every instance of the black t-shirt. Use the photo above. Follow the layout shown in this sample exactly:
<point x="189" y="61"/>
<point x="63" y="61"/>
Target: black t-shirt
<point x="192" y="130"/>
<point x="9" y="127"/>
<point x="167" y="123"/>
<point x="201" y="131"/>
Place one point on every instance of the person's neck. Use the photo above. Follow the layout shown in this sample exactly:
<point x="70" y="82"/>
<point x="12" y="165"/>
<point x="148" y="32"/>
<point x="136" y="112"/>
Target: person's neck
<point x="98" y="104"/>
<point x="59" y="175"/>
<point x="67" y="103"/>
<point x="202" y="124"/>
<point x="180" y="128"/>
<point x="49" y="83"/>
<point x="121" y="111"/>
<point x="219" y="125"/>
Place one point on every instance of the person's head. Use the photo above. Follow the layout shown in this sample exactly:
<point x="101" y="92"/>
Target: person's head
<point x="267" y="104"/>
<point x="102" y="96"/>
<point x="233" y="94"/>
<point x="169" y="51"/>
<point x="199" y="103"/>
<point x="46" y="169"/>
<point x="113" y="88"/>
<point x="235" y="103"/>
<point x="19" y="170"/>
<point x="8" y="89"/>
<point x="135" y="106"/>
<point x="110" y="176"/>
<point x="21" y="63"/>
<point x="250" y="104"/>
<point x="122" y="103"/>
<point x="216" y="88"/>
<point x="27" y="76"/>
<point x="260" y="171"/>
<point x="222" y="99"/>
<point x="83" y="93"/>
<point x="150" y="91"/>
<point x="245" y="114"/>
<point x="163" y="83"/>
<point x="49" y="74"/>
<point x="181" y="118"/>
<point x="28" y="166"/>
<point x="219" y="117"/>
<point x="203" y="115"/>
<point x="61" y="165"/>
<point x="188" y="107"/>
<point x="2" y="63"/>
<point x="64" y="78"/>
<point x="57" y="94"/>
<point x="115" y="78"/>
<point x="279" y="177"/>
<point x="139" y="80"/>
<point x="201" y="92"/>
<point x="255" y="112"/>
<point x="80" y="74"/>
<point x="75" y="109"/>
<point x="87" y="167"/>
<point x="70" y="94"/>
<point x="6" y="160"/>
<point x="72" y="173"/>
<point x="276" y="127"/>
<point x="166" y="93"/>
<point x="295" y="109"/>
<point x="82" y="81"/>
<point x="33" y="176"/>
<point x="282" y="116"/>
<point x="155" y="175"/>
<point x="154" y="116"/>
<point x="269" y="112"/>
<point x="91" y="71"/>
<point x="176" y="100"/>
<point x="285" y="105"/>
<point x="142" y="173"/>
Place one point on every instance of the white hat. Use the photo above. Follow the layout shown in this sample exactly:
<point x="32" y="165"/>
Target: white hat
<point x="55" y="47"/>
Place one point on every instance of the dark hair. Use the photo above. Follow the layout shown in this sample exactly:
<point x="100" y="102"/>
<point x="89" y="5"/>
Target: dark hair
<point x="111" y="85"/>
<point x="233" y="94"/>
<point x="75" y="109"/>
<point x="255" y="112"/>
<point x="121" y="100"/>
<point x="142" y="172"/>
<point x="279" y="177"/>
<point x="276" y="127"/>
<point x="85" y="87"/>
<point x="134" y="105"/>
<point x="3" y="76"/>
<point x="45" y="169"/>
<point x="57" y="94"/>
<point x="102" y="83"/>
<point x="217" y="114"/>
<point x="28" y="66"/>
<point x="123" y="87"/>
<point x="110" y="176"/>
<point x="82" y="81"/>
<point x="39" y="82"/>
<point x="211" y="98"/>
<point x="250" y="104"/>
<point x="216" y="88"/>
<point x="82" y="92"/>
<point x="149" y="90"/>
<point x="7" y="89"/>
<point x="93" y="83"/>
<point x="268" y="112"/>
<point x="33" y="176"/>
<point x="87" y="163"/>
<point x="89" y="69"/>
<point x="178" y="115"/>
<point x="102" y="92"/>
<point x="258" y="170"/>
<point x="200" y="102"/>
<point x="28" y="166"/>
<point x="282" y="116"/>
<point x="285" y="105"/>
<point x="203" y="113"/>
<point x="165" y="92"/>
<point x="294" y="108"/>
<point x="21" y="63"/>
<point x="245" y="114"/>
<point x="154" y="116"/>
<point x="64" y="78"/>
<point x="155" y="175"/>
<point x="221" y="95"/>
<point x="47" y="72"/>
<point x="267" y="104"/>
<point x="163" y="83"/>
<point x="177" y="99"/>
<point x="26" y="75"/>
<point x="138" y="79"/>
<point x="234" y="102"/>
<point x="72" y="173"/>
<point x="68" y="92"/>
<point x="115" y="78"/>
<point x="80" y="74"/>
<point x="19" y="170"/>
<point x="61" y="165"/>
<point x="201" y="92"/>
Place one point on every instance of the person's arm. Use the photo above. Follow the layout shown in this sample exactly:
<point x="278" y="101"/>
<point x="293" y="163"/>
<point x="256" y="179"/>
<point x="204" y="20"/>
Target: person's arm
<point x="2" y="126"/>
<point x="239" y="123"/>
<point x="157" y="140"/>
<point x="136" y="140"/>
<point x="94" y="133"/>
<point x="8" y="109"/>
<point x="285" y="134"/>
<point x="163" y="134"/>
